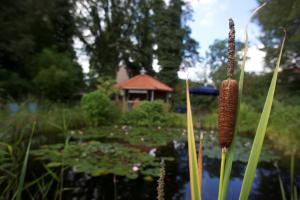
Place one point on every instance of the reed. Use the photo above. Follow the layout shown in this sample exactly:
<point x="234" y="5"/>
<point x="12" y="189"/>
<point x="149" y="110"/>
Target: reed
<point x="228" y="101"/>
<point x="161" y="182"/>
<point x="24" y="167"/>
<point x="200" y="160"/>
<point x="230" y="154"/>
<point x="260" y="133"/>
<point x="193" y="167"/>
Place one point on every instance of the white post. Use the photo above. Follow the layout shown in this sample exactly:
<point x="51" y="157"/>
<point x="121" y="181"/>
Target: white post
<point x="152" y="95"/>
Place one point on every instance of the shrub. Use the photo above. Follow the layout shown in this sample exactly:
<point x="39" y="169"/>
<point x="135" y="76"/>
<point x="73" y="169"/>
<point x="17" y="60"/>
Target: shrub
<point x="55" y="75"/>
<point x="149" y="113"/>
<point x="99" y="108"/>
<point x="210" y="120"/>
<point x="248" y="119"/>
<point x="285" y="124"/>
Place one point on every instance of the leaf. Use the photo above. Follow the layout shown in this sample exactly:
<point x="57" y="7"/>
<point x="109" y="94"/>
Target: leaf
<point x="260" y="134"/>
<point x="281" y="188"/>
<point x="54" y="164"/>
<point x="193" y="165"/>
<point x="24" y="167"/>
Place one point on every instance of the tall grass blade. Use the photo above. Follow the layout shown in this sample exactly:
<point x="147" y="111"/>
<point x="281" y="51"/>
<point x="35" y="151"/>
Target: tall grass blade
<point x="230" y="152"/>
<point x="292" y="172"/>
<point x="295" y="193"/>
<point x="24" y="167"/>
<point x="282" y="191"/>
<point x="193" y="168"/>
<point x="260" y="134"/>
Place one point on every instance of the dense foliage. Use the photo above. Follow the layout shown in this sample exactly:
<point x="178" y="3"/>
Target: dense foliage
<point x="277" y="14"/>
<point x="99" y="108"/>
<point x="147" y="114"/>
<point x="112" y="32"/>
<point x="28" y="28"/>
<point x="55" y="75"/>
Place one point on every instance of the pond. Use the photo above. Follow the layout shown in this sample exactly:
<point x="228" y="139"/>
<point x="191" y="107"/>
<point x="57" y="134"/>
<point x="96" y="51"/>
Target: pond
<point x="173" y="148"/>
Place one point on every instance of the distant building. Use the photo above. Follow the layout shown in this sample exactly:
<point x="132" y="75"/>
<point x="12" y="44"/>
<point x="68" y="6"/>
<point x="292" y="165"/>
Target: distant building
<point x="139" y="88"/>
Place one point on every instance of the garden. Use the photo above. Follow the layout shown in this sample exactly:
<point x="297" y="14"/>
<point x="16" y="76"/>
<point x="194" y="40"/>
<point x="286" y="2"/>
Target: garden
<point x="68" y="133"/>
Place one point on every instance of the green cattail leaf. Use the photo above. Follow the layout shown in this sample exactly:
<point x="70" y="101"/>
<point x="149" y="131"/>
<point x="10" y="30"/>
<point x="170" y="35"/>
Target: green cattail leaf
<point x="260" y="134"/>
<point x="193" y="166"/>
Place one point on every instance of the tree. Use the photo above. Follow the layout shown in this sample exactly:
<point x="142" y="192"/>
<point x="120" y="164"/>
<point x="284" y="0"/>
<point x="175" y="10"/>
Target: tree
<point x="173" y="38"/>
<point x="57" y="76"/>
<point x="129" y="31"/>
<point x="217" y="59"/>
<point x="277" y="14"/>
<point x="29" y="26"/>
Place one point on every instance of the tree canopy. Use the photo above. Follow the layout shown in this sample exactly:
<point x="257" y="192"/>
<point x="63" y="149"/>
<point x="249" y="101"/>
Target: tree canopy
<point x="278" y="14"/>
<point x="216" y="58"/>
<point x="134" y="32"/>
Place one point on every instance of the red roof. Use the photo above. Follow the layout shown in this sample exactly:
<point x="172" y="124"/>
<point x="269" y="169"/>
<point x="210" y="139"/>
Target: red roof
<point x="144" y="81"/>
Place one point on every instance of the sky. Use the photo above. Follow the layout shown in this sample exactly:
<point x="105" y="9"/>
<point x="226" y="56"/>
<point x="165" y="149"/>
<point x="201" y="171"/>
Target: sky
<point x="210" y="22"/>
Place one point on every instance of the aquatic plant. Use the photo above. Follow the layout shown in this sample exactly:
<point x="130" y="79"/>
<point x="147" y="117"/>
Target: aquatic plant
<point x="161" y="181"/>
<point x="193" y="164"/>
<point x="260" y="133"/>
<point x="228" y="97"/>
<point x="231" y="151"/>
<point x="96" y="158"/>
<point x="24" y="167"/>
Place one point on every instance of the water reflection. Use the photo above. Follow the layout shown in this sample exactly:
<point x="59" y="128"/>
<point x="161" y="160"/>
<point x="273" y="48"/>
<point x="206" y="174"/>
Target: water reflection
<point x="265" y="185"/>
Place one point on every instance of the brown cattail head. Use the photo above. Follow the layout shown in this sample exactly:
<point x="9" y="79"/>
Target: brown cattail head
<point x="228" y="100"/>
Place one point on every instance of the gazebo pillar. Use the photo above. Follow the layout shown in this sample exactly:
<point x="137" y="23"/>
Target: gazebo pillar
<point x="152" y="95"/>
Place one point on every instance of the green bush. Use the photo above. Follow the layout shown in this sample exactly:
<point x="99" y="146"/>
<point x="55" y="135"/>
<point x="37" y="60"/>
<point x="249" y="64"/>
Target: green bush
<point x="149" y="113"/>
<point x="248" y="119"/>
<point x="99" y="108"/>
<point x="210" y="120"/>
<point x="285" y="124"/>
<point x="55" y="75"/>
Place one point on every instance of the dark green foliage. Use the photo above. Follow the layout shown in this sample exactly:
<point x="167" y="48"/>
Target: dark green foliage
<point x="99" y="108"/>
<point x="129" y="30"/>
<point x="277" y="14"/>
<point x="175" y="46"/>
<point x="55" y="75"/>
<point x="28" y="27"/>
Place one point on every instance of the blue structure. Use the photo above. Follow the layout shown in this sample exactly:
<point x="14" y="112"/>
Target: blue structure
<point x="204" y="90"/>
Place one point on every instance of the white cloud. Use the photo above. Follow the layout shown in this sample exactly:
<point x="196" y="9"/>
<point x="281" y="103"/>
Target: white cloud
<point x="82" y="58"/>
<point x="255" y="63"/>
<point x="155" y="65"/>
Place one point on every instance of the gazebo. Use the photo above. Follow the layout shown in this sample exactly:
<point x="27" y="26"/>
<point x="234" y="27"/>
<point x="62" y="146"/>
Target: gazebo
<point x="142" y="87"/>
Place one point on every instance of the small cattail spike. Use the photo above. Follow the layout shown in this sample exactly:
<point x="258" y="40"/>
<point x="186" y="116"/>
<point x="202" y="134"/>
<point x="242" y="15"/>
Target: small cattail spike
<point x="231" y="49"/>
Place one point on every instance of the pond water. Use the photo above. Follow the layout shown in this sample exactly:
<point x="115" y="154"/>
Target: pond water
<point x="110" y="187"/>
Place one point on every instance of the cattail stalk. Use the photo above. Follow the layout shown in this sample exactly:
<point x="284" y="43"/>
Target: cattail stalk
<point x="224" y="150"/>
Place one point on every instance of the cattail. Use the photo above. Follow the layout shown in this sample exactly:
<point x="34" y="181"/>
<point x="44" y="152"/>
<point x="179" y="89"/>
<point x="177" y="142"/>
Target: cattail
<point x="228" y="98"/>
<point x="161" y="182"/>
